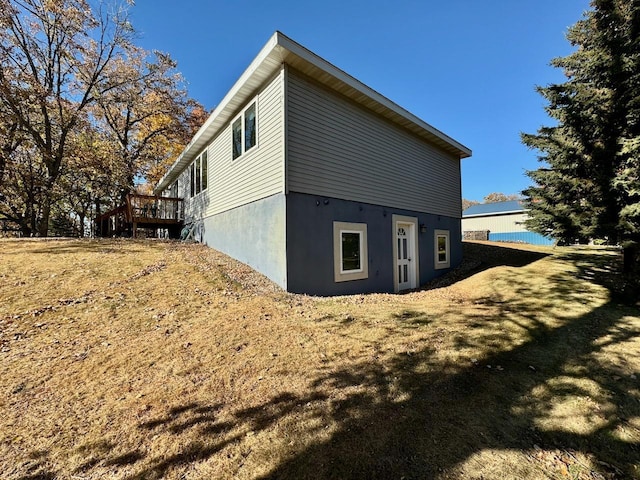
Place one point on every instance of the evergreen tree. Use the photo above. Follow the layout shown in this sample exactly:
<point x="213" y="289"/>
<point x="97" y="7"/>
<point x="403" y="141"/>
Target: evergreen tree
<point x="589" y="184"/>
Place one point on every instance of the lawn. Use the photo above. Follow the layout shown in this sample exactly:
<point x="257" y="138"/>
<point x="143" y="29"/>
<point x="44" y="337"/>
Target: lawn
<point x="140" y="360"/>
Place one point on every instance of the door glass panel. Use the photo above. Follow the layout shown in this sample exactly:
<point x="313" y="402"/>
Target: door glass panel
<point x="406" y="250"/>
<point x="442" y="248"/>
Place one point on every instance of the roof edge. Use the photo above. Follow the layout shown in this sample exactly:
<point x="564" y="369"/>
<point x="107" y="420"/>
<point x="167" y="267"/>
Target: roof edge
<point x="311" y="57"/>
<point x="280" y="41"/>
<point x="264" y="52"/>
<point x="493" y="214"/>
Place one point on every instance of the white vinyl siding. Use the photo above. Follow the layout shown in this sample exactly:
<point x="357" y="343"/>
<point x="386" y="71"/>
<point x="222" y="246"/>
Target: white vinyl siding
<point x="193" y="206"/>
<point x="257" y="173"/>
<point x="338" y="149"/>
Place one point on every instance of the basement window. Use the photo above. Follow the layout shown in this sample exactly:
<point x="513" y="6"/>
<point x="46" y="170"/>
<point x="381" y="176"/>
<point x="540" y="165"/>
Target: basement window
<point x="442" y="249"/>
<point x="244" y="130"/>
<point x="350" y="258"/>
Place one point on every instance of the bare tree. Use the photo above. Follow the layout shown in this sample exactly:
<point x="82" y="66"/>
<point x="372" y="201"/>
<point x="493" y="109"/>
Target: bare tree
<point x="146" y="114"/>
<point x="55" y="57"/>
<point x="10" y="139"/>
<point x="501" y="197"/>
<point x="468" y="203"/>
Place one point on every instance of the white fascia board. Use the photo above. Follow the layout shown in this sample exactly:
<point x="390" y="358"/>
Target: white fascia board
<point x="354" y="83"/>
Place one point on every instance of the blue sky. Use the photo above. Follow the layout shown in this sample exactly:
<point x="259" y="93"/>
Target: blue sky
<point x="467" y="67"/>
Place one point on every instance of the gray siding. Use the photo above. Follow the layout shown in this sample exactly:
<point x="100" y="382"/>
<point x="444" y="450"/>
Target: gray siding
<point x="336" y="148"/>
<point x="256" y="174"/>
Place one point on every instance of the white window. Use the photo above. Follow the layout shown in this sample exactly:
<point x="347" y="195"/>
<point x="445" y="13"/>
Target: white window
<point x="198" y="171"/>
<point x="350" y="258"/>
<point x="442" y="259"/>
<point x="192" y="178"/>
<point x="205" y="169"/>
<point x="244" y="131"/>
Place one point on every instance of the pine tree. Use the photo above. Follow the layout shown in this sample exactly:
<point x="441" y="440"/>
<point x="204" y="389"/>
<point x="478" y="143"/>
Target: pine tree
<point x="589" y="184"/>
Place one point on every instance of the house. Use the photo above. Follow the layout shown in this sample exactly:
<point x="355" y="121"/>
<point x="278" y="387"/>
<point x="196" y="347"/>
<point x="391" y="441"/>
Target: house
<point x="319" y="182"/>
<point x="500" y="222"/>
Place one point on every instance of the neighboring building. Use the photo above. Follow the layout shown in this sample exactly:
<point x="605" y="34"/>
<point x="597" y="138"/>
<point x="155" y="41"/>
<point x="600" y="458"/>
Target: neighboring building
<point x="500" y="222"/>
<point x="319" y="182"/>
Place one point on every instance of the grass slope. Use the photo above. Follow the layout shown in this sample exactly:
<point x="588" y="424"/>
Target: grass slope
<point x="141" y="360"/>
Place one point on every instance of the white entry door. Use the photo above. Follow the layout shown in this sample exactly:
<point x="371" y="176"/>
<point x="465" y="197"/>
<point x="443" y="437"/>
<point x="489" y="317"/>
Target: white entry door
<point x="405" y="261"/>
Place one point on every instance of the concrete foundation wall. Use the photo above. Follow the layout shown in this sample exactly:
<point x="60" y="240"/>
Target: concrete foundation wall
<point x="290" y="240"/>
<point x="253" y="233"/>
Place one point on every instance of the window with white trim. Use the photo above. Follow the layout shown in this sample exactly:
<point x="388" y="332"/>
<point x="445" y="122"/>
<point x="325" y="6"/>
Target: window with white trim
<point x="198" y="171"/>
<point x="350" y="258"/>
<point x="244" y="131"/>
<point x="442" y="253"/>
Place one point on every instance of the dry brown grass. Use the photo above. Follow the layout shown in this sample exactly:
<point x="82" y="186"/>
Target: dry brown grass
<point x="136" y="360"/>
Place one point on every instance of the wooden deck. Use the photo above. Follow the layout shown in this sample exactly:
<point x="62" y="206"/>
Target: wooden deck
<point x="142" y="212"/>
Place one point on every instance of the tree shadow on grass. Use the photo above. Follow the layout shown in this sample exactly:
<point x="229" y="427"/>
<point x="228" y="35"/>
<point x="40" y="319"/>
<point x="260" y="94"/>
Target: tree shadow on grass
<point x="441" y="420"/>
<point x="478" y="257"/>
<point x="205" y="419"/>
<point x="413" y="317"/>
<point x="410" y="417"/>
<point x="37" y="469"/>
<point x="398" y="419"/>
<point x="500" y="255"/>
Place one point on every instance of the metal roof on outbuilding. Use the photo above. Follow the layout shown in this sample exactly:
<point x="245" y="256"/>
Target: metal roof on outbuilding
<point x="496" y="208"/>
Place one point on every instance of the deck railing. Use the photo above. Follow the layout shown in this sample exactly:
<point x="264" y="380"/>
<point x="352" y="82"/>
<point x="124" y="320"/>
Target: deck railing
<point x="150" y="209"/>
<point x="141" y="211"/>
